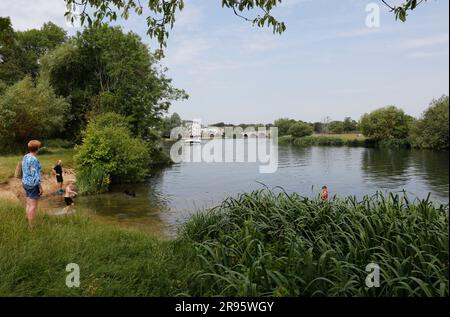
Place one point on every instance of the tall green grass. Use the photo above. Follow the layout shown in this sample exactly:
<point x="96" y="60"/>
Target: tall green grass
<point x="258" y="244"/>
<point x="113" y="261"/>
<point x="267" y="244"/>
<point x="324" y="141"/>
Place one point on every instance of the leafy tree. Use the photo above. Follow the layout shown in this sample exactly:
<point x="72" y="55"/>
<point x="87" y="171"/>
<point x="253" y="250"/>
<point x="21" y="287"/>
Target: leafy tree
<point x="283" y="125"/>
<point x="336" y="127"/>
<point x="110" y="154"/>
<point x="350" y="125"/>
<point x="102" y="70"/>
<point x="386" y="123"/>
<point x="161" y="14"/>
<point x="432" y="130"/>
<point x="30" y="112"/>
<point x="318" y="127"/>
<point x="21" y="51"/>
<point x="170" y="123"/>
<point x="300" y="129"/>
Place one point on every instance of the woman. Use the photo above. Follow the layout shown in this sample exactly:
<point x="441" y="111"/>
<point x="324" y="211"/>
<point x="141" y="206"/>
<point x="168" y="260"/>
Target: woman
<point x="31" y="180"/>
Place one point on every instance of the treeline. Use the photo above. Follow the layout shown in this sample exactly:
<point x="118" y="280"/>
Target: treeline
<point x="56" y="86"/>
<point x="384" y="127"/>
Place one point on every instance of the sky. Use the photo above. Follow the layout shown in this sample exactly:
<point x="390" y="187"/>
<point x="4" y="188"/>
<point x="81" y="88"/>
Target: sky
<point x="328" y="63"/>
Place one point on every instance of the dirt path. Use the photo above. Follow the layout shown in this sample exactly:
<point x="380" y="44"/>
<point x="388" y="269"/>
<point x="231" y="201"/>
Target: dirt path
<point x="13" y="189"/>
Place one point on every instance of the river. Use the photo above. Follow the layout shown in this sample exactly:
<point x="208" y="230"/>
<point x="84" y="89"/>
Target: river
<point x="171" y="195"/>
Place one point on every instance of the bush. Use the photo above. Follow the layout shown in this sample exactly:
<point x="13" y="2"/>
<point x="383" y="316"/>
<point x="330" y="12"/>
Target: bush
<point x="59" y="143"/>
<point x="300" y="129"/>
<point x="110" y="155"/>
<point x="386" y="123"/>
<point x="432" y="130"/>
<point x="395" y="144"/>
<point x="30" y="112"/>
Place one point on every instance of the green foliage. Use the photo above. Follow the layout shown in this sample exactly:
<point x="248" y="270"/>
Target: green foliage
<point x="336" y="127"/>
<point x="324" y="140"/>
<point x="386" y="123"/>
<point x="162" y="14"/>
<point x="300" y="129"/>
<point x="283" y="125"/>
<point x="267" y="244"/>
<point x="114" y="261"/>
<point x="110" y="149"/>
<point x="21" y="51"/>
<point x="432" y="130"/>
<point x="350" y="125"/>
<point x="105" y="70"/>
<point x="30" y="112"/>
<point x="170" y="123"/>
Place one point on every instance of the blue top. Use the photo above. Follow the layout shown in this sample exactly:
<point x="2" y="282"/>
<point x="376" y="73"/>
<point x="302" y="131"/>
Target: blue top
<point x="31" y="170"/>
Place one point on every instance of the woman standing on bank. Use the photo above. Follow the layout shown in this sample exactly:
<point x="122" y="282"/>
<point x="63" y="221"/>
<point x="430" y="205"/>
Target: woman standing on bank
<point x="31" y="180"/>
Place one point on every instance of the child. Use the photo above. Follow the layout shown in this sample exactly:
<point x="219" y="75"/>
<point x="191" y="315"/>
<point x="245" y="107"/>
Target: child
<point x="324" y="193"/>
<point x="59" y="175"/>
<point x="68" y="194"/>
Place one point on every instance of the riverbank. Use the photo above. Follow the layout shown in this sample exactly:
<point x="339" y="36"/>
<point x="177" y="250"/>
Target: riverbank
<point x="11" y="187"/>
<point x="258" y="244"/>
<point x="354" y="140"/>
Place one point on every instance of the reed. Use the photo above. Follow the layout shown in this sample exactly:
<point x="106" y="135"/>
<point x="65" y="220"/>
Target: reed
<point x="267" y="244"/>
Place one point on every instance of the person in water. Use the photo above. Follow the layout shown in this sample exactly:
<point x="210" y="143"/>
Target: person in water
<point x="324" y="193"/>
<point x="31" y="180"/>
<point x="69" y="193"/>
<point x="59" y="175"/>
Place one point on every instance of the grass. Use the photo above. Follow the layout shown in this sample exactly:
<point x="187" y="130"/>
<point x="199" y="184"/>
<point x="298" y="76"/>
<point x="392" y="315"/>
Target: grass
<point x="343" y="136"/>
<point x="267" y="244"/>
<point x="8" y="163"/>
<point x="258" y="244"/>
<point x="113" y="261"/>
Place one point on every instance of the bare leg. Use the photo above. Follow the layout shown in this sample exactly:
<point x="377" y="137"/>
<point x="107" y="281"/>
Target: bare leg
<point x="31" y="211"/>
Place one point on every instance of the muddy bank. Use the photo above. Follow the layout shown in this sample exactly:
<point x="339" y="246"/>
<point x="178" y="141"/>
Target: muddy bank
<point x="13" y="190"/>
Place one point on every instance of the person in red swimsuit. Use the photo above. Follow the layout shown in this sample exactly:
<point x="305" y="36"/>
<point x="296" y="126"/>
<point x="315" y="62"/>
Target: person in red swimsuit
<point x="324" y="193"/>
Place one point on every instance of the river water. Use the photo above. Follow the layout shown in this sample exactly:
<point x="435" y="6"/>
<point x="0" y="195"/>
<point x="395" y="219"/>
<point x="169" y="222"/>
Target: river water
<point x="171" y="195"/>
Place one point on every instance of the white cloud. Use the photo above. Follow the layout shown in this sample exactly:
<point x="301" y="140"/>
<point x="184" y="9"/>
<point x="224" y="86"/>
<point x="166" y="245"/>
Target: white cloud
<point x="186" y="51"/>
<point x="26" y="14"/>
<point x="425" y="41"/>
<point x="422" y="54"/>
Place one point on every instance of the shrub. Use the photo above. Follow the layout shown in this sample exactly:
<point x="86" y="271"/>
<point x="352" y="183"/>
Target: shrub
<point x="395" y="143"/>
<point x="109" y="152"/>
<point x="300" y="129"/>
<point x="432" y="130"/>
<point x="386" y="123"/>
<point x="30" y="112"/>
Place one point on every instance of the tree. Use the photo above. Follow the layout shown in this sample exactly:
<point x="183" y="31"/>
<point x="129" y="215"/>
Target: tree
<point x="30" y="112"/>
<point x="170" y="123"/>
<point x="336" y="127"/>
<point x="386" y="123"/>
<point x="21" y="52"/>
<point x="162" y="13"/>
<point x="318" y="127"/>
<point x="283" y="125"/>
<point x="350" y="125"/>
<point x="300" y="129"/>
<point x="432" y="130"/>
<point x="102" y="70"/>
<point x="110" y="154"/>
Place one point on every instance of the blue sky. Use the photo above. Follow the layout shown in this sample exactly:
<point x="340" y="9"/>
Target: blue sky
<point x="327" y="63"/>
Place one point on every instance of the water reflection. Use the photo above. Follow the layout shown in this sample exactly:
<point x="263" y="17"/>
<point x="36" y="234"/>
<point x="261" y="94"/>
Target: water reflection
<point x="171" y="195"/>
